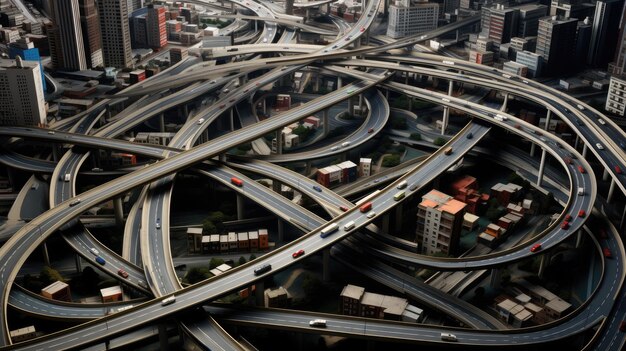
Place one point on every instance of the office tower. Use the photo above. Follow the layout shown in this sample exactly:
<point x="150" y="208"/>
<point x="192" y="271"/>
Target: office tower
<point x="439" y="222"/>
<point x="155" y="27"/>
<point x="604" y="34"/>
<point x="21" y="93"/>
<point x="25" y="49"/>
<point x="532" y="61"/>
<point x="91" y="33"/>
<point x="529" y="16"/>
<point x="556" y="40"/>
<point x="450" y="6"/>
<point x="70" y="49"/>
<point x="408" y="17"/>
<point x="115" y="32"/>
<point x="618" y="66"/>
<point x="138" y="29"/>
<point x="616" y="99"/>
<point x="583" y="38"/>
<point x="502" y="23"/>
<point x="134" y="5"/>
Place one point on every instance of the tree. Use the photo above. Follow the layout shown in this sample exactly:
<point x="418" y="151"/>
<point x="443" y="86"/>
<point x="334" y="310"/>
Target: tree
<point x="252" y="257"/>
<point x="49" y="275"/>
<point x="416" y="136"/>
<point x="440" y="141"/>
<point x="208" y="227"/>
<point x="215" y="262"/>
<point x="242" y="260"/>
<point x="197" y="274"/>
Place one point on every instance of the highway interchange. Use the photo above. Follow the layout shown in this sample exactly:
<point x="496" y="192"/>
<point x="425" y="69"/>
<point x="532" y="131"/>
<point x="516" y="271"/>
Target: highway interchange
<point x="156" y="265"/>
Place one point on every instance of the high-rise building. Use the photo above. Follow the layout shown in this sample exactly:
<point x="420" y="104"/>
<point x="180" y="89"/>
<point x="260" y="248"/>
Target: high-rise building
<point x="115" y="33"/>
<point x="450" y="6"/>
<point x="583" y="39"/>
<point x="616" y="99"/>
<point x="70" y="47"/>
<point x="155" y="27"/>
<point x="439" y="223"/>
<point x="604" y="34"/>
<point x="21" y="93"/>
<point x="138" y="29"/>
<point x="408" y="17"/>
<point x="91" y="33"/>
<point x="529" y="16"/>
<point x="25" y="49"/>
<point x="531" y="60"/>
<point x="503" y="23"/>
<point x="618" y="66"/>
<point x="556" y="40"/>
<point x="134" y="5"/>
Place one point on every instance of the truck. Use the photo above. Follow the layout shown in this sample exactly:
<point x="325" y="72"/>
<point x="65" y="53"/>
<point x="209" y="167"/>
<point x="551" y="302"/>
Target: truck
<point x="329" y="230"/>
<point x="348" y="225"/>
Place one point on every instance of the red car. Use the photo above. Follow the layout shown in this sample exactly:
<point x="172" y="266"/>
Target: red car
<point x="362" y="29"/>
<point x="565" y="225"/>
<point x="222" y="105"/>
<point x="581" y="169"/>
<point x="297" y="253"/>
<point x="582" y="213"/>
<point x="343" y="208"/>
<point x="622" y="326"/>
<point x="122" y="273"/>
<point x="535" y="248"/>
<point x="568" y="160"/>
<point x="618" y="170"/>
<point x="371" y="130"/>
<point x="607" y="252"/>
<point x="568" y="218"/>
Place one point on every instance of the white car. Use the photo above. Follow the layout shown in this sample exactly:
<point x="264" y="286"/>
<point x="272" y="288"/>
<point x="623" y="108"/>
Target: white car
<point x="371" y="214"/>
<point x="94" y="251"/>
<point x="601" y="121"/>
<point x="599" y="146"/>
<point x="320" y="323"/>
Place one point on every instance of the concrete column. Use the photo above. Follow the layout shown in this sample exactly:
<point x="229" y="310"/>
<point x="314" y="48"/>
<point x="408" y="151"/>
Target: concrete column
<point x="579" y="238"/>
<point x="281" y="231"/>
<point x="547" y="120"/>
<point x="44" y="252"/>
<point x="411" y="103"/>
<point x="533" y="146"/>
<point x="259" y="292"/>
<point x="275" y="186"/>
<point x="279" y="142"/>
<point x="316" y="84"/>
<point x="326" y="264"/>
<point x="79" y="263"/>
<point x="504" y="103"/>
<point x="325" y="122"/>
<point x="609" y="197"/>
<point x="361" y="105"/>
<point x="339" y="82"/>
<point x="163" y="338"/>
<point x="495" y="278"/>
<point x="307" y="168"/>
<point x="622" y="223"/>
<point x="386" y="223"/>
<point x="108" y="112"/>
<point x="576" y="141"/>
<point x="118" y="209"/>
<point x="350" y="106"/>
<point x="541" y="167"/>
<point x="306" y="15"/>
<point x="545" y="261"/>
<point x="605" y="174"/>
<point x="240" y="207"/>
<point x="162" y="123"/>
<point x="185" y="111"/>
<point x="446" y="110"/>
<point x="232" y="120"/>
<point x="387" y="94"/>
<point x="264" y="106"/>
<point x="55" y="152"/>
<point x="585" y="149"/>
<point x="398" y="210"/>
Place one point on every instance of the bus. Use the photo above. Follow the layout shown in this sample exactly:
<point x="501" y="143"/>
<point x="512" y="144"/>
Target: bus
<point x="329" y="230"/>
<point x="348" y="225"/>
<point x="399" y="196"/>
<point x="236" y="181"/>
<point x="365" y="207"/>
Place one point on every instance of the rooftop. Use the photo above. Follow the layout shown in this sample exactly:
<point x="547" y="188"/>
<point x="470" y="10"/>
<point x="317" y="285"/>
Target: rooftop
<point x="352" y="291"/>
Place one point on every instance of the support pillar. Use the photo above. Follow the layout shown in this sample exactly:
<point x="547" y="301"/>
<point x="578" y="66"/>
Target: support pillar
<point x="259" y="291"/>
<point x="504" y="103"/>
<point x="541" y="167"/>
<point x="386" y="223"/>
<point x="275" y="186"/>
<point x="281" y="231"/>
<point x="446" y="110"/>
<point x="55" y="152"/>
<point x="579" y="238"/>
<point x="585" y="149"/>
<point x="79" y="263"/>
<point x="325" y="122"/>
<point x="163" y="338"/>
<point x="350" y="106"/>
<point x="545" y="261"/>
<point x="361" y="105"/>
<point x="398" y="210"/>
<point x="609" y="197"/>
<point x="576" y="141"/>
<point x="240" y="207"/>
<point x="162" y="123"/>
<point x="605" y="174"/>
<point x="339" y="82"/>
<point x="307" y="168"/>
<point x="118" y="209"/>
<point x="44" y="252"/>
<point x="547" y="120"/>
<point x="495" y="278"/>
<point x="622" y="223"/>
<point x="279" y="142"/>
<point x="264" y="104"/>
<point x="232" y="120"/>
<point x="326" y="264"/>
<point x="316" y="86"/>
<point x="533" y="146"/>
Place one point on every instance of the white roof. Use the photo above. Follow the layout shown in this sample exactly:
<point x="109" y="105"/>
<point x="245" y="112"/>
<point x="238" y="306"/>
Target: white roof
<point x="194" y="230"/>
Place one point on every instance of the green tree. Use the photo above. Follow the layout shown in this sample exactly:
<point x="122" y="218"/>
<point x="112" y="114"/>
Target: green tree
<point x="242" y="260"/>
<point x="215" y="262"/>
<point x="416" y="136"/>
<point x="208" y="227"/>
<point x="50" y="275"/>
<point x="197" y="274"/>
<point x="252" y="257"/>
<point x="391" y="161"/>
<point x="440" y="141"/>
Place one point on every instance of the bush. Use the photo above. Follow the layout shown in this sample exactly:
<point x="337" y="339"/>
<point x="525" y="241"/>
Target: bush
<point x="440" y="141"/>
<point x="215" y="262"/>
<point x="416" y="136"/>
<point x="197" y="274"/>
<point x="49" y="275"/>
<point x="242" y="260"/>
<point x="391" y="161"/>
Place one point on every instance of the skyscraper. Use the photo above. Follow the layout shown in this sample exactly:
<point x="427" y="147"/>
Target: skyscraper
<point x="157" y="35"/>
<point x="604" y="34"/>
<point x="439" y="222"/>
<point x="618" y="66"/>
<point x="411" y="17"/>
<point x="529" y="16"/>
<point x="115" y="33"/>
<point x="25" y="49"/>
<point x="91" y="32"/>
<point x="134" y="5"/>
<point x="556" y="41"/>
<point x="69" y="47"/>
<point x="503" y="24"/>
<point x="21" y="93"/>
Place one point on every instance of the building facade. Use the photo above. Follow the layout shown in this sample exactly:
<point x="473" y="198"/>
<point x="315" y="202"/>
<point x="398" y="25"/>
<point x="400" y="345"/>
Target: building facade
<point x="66" y="16"/>
<point x="115" y="32"/>
<point x="604" y="34"/>
<point x="615" y="100"/>
<point x="155" y="27"/>
<point x="411" y="17"/>
<point x="25" y="49"/>
<point x="90" y="27"/>
<point x="21" y="93"/>
<point x="556" y="41"/>
<point x="439" y="223"/>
